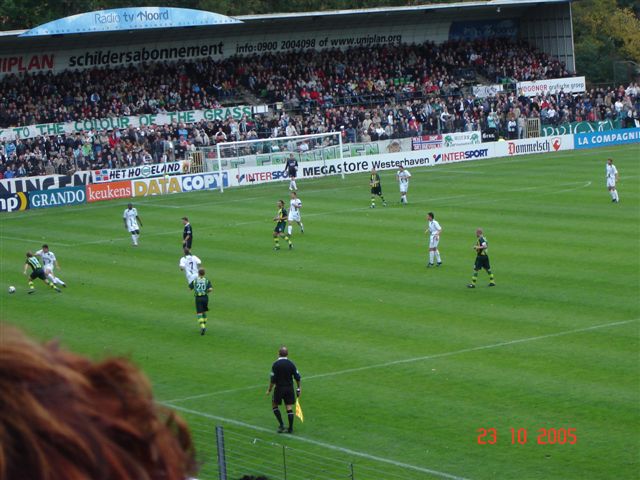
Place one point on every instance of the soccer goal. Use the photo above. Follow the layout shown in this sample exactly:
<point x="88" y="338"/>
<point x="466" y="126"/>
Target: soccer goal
<point x="235" y="157"/>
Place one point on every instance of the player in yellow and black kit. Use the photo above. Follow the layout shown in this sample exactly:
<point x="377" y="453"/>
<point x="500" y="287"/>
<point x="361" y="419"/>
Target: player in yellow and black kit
<point x="482" y="260"/>
<point x="201" y="287"/>
<point x="376" y="188"/>
<point x="36" y="272"/>
<point x="281" y="226"/>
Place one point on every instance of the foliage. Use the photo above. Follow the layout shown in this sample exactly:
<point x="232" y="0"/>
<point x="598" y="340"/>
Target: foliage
<point x="604" y="33"/>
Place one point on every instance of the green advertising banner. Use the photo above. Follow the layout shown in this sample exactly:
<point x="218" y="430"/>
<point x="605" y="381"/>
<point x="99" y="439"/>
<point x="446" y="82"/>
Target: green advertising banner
<point x="186" y="117"/>
<point x="580" y="127"/>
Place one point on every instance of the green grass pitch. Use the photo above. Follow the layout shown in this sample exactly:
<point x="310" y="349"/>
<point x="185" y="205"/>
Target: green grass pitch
<point x="401" y="365"/>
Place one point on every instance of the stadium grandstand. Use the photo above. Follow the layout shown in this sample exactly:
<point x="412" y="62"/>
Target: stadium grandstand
<point x="417" y="79"/>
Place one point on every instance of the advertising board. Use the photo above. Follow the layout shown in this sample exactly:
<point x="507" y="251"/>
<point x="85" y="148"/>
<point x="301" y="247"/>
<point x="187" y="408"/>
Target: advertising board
<point x="58" y="197"/>
<point x="612" y="137"/>
<point x="99" y="192"/>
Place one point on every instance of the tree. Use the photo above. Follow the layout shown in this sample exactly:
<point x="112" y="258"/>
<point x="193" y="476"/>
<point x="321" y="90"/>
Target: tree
<point x="605" y="33"/>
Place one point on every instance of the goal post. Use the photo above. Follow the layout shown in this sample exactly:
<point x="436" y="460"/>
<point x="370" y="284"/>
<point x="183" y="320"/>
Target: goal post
<point x="231" y="157"/>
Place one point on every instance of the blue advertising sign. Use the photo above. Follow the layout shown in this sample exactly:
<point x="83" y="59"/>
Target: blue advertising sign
<point x="138" y="18"/>
<point x="611" y="137"/>
<point x="479" y="29"/>
<point x="203" y="181"/>
<point x="58" y="197"/>
<point x="11" y="202"/>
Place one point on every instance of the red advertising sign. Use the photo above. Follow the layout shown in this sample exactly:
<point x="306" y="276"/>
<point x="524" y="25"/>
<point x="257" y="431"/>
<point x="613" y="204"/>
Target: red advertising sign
<point x="109" y="191"/>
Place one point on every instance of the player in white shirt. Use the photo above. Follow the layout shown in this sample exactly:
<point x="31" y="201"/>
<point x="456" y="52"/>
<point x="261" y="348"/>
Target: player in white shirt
<point x="132" y="223"/>
<point x="49" y="261"/>
<point x="434" y="229"/>
<point x="295" y="204"/>
<point x="403" y="176"/>
<point x="612" y="178"/>
<point x="190" y="264"/>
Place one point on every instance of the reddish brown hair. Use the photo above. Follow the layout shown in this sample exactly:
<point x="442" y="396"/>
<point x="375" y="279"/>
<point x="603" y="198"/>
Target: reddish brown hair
<point x="64" y="417"/>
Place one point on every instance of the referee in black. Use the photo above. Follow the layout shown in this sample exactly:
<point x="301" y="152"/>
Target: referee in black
<point x="283" y="371"/>
<point x="187" y="234"/>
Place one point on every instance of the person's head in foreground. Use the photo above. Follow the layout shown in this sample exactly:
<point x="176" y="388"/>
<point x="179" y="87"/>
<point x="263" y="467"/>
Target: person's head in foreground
<point x="65" y="417"/>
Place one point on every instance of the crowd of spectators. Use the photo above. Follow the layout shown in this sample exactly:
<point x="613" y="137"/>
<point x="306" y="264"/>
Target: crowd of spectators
<point x="100" y="93"/>
<point x="367" y="94"/>
<point x="362" y="75"/>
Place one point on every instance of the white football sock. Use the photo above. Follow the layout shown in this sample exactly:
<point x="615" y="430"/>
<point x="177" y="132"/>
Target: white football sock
<point x="289" y="229"/>
<point x="438" y="256"/>
<point x="431" y="256"/>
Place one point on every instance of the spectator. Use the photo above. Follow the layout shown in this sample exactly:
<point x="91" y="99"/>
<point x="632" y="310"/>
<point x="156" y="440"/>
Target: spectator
<point x="66" y="417"/>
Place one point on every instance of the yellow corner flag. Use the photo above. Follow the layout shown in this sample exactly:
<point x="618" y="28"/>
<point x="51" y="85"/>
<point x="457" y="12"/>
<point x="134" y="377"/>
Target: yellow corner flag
<point x="299" y="413"/>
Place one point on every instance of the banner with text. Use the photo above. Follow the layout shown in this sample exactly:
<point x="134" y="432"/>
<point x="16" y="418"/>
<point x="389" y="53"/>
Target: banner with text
<point x="45" y="182"/>
<point x="218" y="46"/>
<point x="58" y="197"/>
<point x="602" y="139"/>
<point x="429" y="142"/>
<point x="387" y="161"/>
<point x="552" y="86"/>
<point x="178" y="184"/>
<point x="100" y="192"/>
<point x="484" y="91"/>
<point x="383" y="161"/>
<point x="528" y="146"/>
<point x="580" y="127"/>
<point x="13" y="202"/>
<point x="110" y="123"/>
<point x="477" y="29"/>
<point x="131" y="173"/>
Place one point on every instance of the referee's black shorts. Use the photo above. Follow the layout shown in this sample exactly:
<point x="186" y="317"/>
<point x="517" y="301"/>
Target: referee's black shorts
<point x="284" y="393"/>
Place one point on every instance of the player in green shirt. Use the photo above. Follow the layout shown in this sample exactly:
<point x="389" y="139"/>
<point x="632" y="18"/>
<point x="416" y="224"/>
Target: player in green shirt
<point x="376" y="188"/>
<point x="36" y="272"/>
<point x="482" y="260"/>
<point x="281" y="226"/>
<point x="201" y="287"/>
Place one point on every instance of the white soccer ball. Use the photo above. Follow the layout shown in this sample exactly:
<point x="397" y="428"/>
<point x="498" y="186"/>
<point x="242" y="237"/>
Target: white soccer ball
<point x="12" y="289"/>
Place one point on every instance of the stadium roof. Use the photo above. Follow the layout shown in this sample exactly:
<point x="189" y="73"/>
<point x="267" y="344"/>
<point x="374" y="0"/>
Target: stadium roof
<point x="125" y="19"/>
<point x="494" y="4"/>
<point x="13" y="41"/>
<point x="279" y="19"/>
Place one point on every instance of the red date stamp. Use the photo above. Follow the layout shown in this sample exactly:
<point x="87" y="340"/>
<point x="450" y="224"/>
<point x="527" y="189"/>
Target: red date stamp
<point x="520" y="436"/>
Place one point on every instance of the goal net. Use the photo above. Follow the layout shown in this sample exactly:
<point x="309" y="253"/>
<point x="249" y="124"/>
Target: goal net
<point x="234" y="157"/>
